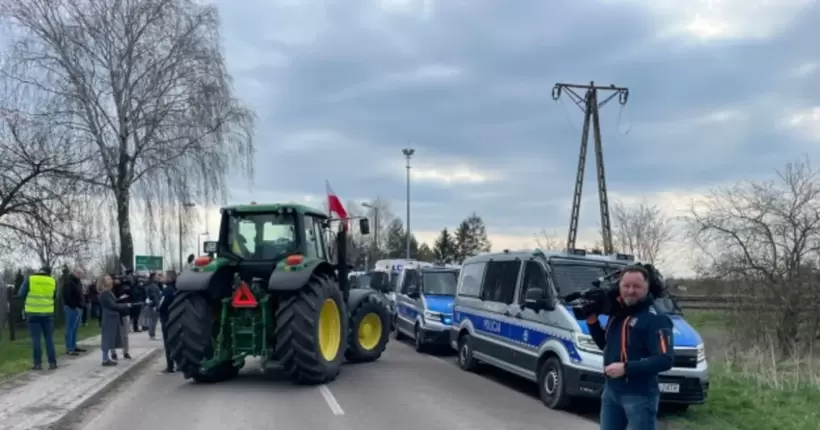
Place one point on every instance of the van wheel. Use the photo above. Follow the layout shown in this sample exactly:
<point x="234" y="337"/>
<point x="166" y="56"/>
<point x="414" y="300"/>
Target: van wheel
<point x="466" y="361"/>
<point x="418" y="340"/>
<point x="551" y="386"/>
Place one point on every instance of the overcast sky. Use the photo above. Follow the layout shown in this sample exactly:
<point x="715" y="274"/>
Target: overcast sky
<point x="720" y="91"/>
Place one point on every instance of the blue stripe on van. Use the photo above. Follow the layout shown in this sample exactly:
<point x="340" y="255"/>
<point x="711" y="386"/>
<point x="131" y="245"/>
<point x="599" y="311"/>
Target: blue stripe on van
<point x="516" y="333"/>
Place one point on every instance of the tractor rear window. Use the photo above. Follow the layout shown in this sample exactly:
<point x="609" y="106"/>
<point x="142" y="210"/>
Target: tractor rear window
<point x="269" y="236"/>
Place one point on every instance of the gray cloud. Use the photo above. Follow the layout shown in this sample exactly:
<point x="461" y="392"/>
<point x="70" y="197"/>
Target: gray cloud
<point x="341" y="86"/>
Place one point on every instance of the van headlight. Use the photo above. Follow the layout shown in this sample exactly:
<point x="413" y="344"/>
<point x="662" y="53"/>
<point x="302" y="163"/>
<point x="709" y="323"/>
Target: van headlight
<point x="585" y="343"/>
<point x="432" y="316"/>
<point x="701" y="353"/>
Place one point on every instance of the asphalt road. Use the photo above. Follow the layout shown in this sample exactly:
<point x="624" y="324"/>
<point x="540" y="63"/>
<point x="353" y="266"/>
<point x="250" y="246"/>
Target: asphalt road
<point x="404" y="390"/>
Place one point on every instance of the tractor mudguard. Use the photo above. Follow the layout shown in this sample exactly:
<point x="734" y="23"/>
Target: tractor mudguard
<point x="292" y="280"/>
<point x="356" y="297"/>
<point x="217" y="283"/>
<point x="194" y="281"/>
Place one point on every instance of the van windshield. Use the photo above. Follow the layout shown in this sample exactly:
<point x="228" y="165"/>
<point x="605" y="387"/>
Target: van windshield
<point x="571" y="277"/>
<point x="440" y="283"/>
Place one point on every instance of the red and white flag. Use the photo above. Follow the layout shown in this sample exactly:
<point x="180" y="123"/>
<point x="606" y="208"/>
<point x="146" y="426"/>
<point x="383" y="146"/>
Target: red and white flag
<point x="334" y="205"/>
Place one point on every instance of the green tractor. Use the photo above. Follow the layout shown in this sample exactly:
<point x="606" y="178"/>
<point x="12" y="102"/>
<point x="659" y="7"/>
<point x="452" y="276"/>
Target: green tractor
<point x="268" y="290"/>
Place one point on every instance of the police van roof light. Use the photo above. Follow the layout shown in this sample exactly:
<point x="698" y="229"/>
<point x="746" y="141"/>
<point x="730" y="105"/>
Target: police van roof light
<point x="576" y="251"/>
<point x="626" y="257"/>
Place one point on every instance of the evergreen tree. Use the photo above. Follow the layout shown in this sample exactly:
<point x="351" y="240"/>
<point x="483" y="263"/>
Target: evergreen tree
<point x="425" y="253"/>
<point x="444" y="248"/>
<point x="462" y="239"/>
<point x="471" y="237"/>
<point x="478" y="233"/>
<point x="395" y="243"/>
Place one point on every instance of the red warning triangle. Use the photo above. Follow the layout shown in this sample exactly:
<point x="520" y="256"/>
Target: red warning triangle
<point x="243" y="298"/>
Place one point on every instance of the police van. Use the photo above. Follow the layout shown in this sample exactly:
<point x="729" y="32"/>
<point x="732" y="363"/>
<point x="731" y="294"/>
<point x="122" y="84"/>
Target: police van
<point x="391" y="270"/>
<point x="424" y="304"/>
<point x="509" y="313"/>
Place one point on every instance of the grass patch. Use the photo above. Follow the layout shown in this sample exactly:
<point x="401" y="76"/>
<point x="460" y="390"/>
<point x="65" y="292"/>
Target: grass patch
<point x="15" y="357"/>
<point x="706" y="319"/>
<point x="738" y="400"/>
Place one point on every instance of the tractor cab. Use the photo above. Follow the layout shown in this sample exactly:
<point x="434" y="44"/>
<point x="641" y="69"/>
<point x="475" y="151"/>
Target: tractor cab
<point x="257" y="239"/>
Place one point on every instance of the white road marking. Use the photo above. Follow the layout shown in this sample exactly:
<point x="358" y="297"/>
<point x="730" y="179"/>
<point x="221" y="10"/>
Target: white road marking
<point x="331" y="401"/>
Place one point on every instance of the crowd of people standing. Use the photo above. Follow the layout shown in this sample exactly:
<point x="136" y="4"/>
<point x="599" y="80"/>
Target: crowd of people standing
<point x="119" y="304"/>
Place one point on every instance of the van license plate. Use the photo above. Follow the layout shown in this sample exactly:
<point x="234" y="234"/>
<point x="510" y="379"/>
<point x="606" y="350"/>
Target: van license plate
<point x="669" y="388"/>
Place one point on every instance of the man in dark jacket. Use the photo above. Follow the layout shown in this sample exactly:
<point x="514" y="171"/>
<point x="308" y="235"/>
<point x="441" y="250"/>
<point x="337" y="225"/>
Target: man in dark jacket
<point x="164" y="308"/>
<point x="73" y="304"/>
<point x="153" y="298"/>
<point x="637" y="346"/>
<point x="138" y="297"/>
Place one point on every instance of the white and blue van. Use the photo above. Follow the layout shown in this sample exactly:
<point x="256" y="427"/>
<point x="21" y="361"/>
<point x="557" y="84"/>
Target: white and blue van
<point x="509" y="313"/>
<point x="424" y="304"/>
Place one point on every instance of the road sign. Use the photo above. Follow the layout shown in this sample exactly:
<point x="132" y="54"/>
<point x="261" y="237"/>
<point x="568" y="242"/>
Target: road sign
<point x="151" y="263"/>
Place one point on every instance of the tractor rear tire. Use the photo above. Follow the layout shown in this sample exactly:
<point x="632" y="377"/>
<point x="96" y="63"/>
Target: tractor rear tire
<point x="311" y="324"/>
<point x="190" y="326"/>
<point x="369" y="331"/>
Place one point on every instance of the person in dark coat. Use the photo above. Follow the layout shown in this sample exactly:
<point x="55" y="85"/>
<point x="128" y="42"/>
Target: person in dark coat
<point x="73" y="304"/>
<point x="122" y="292"/>
<point x="164" y="309"/>
<point x="111" y="320"/>
<point x="154" y="296"/>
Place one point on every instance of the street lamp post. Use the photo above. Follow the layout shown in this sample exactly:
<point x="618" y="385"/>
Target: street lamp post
<point x="408" y="153"/>
<point x="182" y="207"/>
<point x="375" y="245"/>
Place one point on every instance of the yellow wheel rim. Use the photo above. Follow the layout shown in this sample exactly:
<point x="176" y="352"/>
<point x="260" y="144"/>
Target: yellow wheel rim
<point x="330" y="330"/>
<point x="370" y="331"/>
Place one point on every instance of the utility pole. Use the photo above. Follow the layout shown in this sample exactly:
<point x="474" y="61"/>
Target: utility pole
<point x="408" y="153"/>
<point x="590" y="106"/>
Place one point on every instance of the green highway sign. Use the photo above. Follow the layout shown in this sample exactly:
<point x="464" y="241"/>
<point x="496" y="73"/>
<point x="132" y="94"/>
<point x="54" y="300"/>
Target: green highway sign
<point x="151" y="263"/>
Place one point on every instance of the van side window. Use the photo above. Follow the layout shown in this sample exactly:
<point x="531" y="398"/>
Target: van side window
<point x="500" y="281"/>
<point x="409" y="279"/>
<point x="469" y="281"/>
<point x="534" y="277"/>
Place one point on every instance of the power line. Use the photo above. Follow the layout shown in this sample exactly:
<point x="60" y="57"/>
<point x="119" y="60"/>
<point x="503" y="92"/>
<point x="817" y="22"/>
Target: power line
<point x="590" y="106"/>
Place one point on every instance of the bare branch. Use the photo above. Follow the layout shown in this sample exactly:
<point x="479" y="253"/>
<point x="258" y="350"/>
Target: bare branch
<point x="642" y="230"/>
<point x="144" y="88"/>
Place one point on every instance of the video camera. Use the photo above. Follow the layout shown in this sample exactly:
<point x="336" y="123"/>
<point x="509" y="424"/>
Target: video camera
<point x="602" y="298"/>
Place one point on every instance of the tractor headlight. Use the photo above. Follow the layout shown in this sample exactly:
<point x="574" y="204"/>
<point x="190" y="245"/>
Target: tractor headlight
<point x="585" y="343"/>
<point x="701" y="353"/>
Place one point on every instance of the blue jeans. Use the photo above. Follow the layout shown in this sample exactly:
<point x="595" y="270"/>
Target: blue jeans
<point x="42" y="326"/>
<point x="72" y="325"/>
<point x="639" y="412"/>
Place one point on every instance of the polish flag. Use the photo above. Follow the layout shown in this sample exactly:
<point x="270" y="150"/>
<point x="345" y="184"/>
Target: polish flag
<point x="335" y="205"/>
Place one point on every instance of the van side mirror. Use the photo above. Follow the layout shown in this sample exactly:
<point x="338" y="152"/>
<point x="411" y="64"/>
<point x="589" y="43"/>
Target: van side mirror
<point x="413" y="291"/>
<point x="364" y="226"/>
<point x="538" y="300"/>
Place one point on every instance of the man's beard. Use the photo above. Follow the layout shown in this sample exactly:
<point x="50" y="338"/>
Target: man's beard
<point x="630" y="301"/>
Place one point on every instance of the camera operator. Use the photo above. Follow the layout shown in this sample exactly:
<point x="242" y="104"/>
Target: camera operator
<point x="637" y="346"/>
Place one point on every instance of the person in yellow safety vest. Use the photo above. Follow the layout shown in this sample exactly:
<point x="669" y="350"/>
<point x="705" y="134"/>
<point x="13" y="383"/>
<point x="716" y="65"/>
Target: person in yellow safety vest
<point x="39" y="292"/>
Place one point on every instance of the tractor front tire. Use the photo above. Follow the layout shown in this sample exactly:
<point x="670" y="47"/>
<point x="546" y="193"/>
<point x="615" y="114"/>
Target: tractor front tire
<point x="369" y="331"/>
<point x="190" y="325"/>
<point x="311" y="324"/>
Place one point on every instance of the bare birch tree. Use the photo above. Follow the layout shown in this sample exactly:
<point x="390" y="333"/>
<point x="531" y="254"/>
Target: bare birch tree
<point x="58" y="231"/>
<point x="763" y="238"/>
<point x="548" y="241"/>
<point x="35" y="154"/>
<point x="143" y="84"/>
<point x="642" y="230"/>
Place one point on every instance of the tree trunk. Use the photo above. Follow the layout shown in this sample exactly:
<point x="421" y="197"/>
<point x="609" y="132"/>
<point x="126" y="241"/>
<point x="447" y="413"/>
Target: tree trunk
<point x="124" y="226"/>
